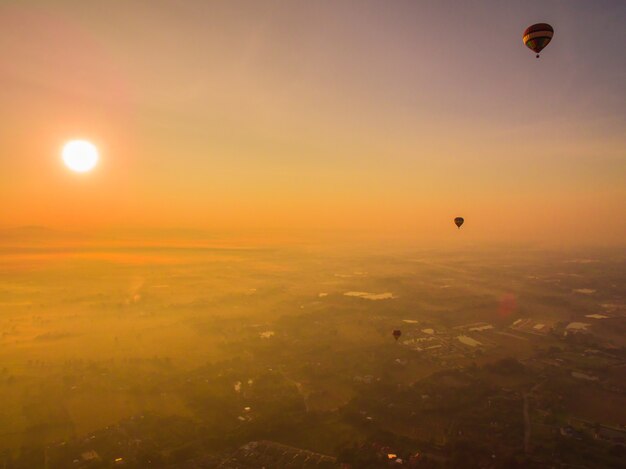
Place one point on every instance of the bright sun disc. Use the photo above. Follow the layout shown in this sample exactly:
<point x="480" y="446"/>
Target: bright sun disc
<point x="80" y="156"/>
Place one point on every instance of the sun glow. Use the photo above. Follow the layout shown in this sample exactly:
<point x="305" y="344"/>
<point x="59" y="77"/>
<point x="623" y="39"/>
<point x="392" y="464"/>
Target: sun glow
<point x="80" y="155"/>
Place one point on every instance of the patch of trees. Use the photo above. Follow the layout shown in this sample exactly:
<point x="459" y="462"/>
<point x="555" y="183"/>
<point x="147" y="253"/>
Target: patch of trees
<point x="506" y="366"/>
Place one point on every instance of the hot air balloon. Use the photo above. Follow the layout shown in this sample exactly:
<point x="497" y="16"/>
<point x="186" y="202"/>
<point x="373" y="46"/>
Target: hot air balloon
<point x="538" y="36"/>
<point x="458" y="221"/>
<point x="396" y="334"/>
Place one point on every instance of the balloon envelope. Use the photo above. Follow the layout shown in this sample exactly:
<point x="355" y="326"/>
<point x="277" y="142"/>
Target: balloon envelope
<point x="397" y="333"/>
<point x="458" y="221"/>
<point x="538" y="36"/>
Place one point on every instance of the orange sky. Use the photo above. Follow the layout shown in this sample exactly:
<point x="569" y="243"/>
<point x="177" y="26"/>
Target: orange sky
<point x="350" y="116"/>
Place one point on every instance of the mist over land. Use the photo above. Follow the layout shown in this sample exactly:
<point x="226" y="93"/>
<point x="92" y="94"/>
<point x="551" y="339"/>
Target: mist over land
<point x="181" y="353"/>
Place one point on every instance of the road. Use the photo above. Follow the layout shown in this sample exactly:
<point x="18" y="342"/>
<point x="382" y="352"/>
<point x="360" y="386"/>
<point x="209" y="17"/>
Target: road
<point x="527" y="426"/>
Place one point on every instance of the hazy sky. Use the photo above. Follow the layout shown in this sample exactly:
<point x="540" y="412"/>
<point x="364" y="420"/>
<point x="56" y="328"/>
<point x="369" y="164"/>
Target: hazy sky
<point x="328" y="114"/>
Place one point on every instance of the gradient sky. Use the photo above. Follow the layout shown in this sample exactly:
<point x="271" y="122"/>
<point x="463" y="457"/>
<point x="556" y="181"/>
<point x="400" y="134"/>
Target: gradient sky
<point x="388" y="116"/>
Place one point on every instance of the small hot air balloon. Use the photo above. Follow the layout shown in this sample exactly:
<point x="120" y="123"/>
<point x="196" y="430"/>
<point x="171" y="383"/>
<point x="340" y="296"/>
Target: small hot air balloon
<point x="458" y="221"/>
<point x="396" y="334"/>
<point x="538" y="36"/>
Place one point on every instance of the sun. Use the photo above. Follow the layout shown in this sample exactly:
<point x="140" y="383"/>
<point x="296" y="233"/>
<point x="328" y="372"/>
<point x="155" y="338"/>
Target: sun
<point x="80" y="155"/>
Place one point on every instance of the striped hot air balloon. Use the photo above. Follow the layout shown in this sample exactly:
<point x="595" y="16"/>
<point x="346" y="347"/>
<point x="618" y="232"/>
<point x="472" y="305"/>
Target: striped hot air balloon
<point x="538" y="36"/>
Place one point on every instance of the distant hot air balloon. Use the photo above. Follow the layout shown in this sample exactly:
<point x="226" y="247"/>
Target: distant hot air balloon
<point x="396" y="334"/>
<point x="458" y="221"/>
<point x="538" y="36"/>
